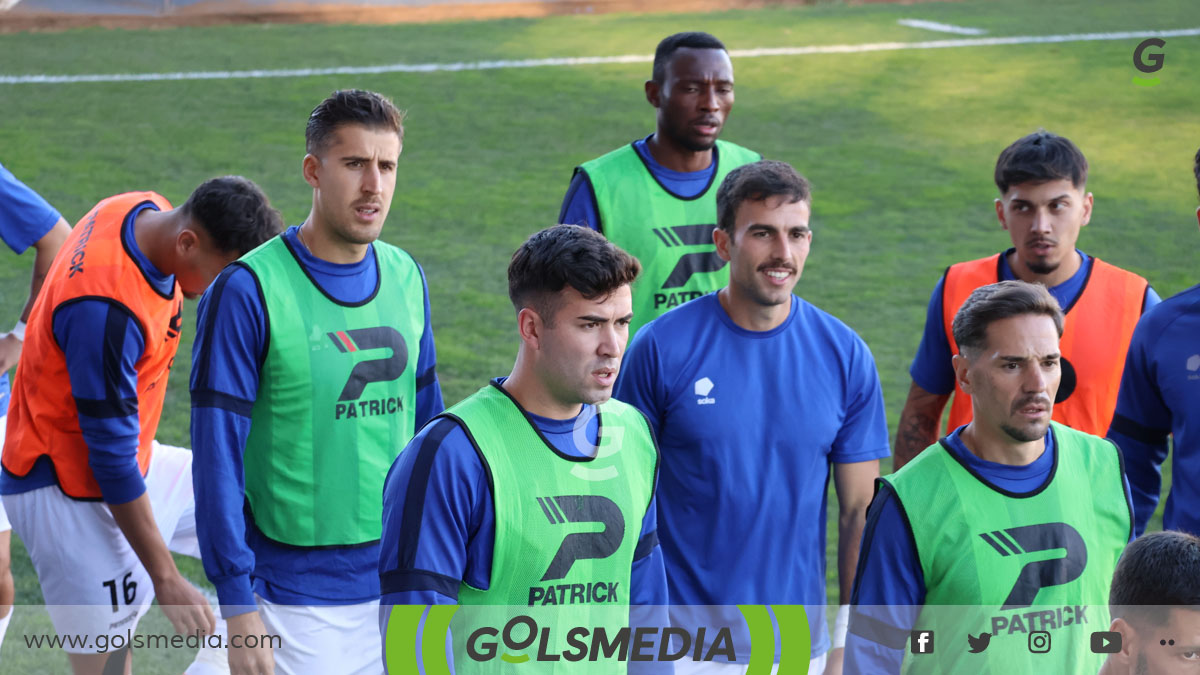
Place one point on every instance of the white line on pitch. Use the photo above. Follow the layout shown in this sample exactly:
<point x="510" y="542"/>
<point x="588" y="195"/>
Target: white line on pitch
<point x="589" y="60"/>
<point x="940" y="27"/>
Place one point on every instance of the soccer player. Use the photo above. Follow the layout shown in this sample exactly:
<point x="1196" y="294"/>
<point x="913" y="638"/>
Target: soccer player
<point x="753" y="393"/>
<point x="1043" y="204"/>
<point x="1016" y="520"/>
<point x="26" y="220"/>
<point x="1160" y="395"/>
<point x="99" y="505"/>
<point x="461" y="516"/>
<point x="656" y="196"/>
<point x="1155" y="605"/>
<point x="313" y="365"/>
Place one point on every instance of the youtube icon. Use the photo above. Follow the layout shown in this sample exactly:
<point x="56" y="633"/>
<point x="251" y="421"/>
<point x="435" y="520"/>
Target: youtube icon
<point x="1106" y="642"/>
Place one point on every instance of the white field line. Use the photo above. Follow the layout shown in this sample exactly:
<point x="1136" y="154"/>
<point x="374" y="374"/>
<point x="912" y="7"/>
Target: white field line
<point x="589" y="60"/>
<point x="940" y="27"/>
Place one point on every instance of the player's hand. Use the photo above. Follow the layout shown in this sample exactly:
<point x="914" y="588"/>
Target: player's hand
<point x="249" y="660"/>
<point x="10" y="351"/>
<point x="187" y="610"/>
<point x="833" y="662"/>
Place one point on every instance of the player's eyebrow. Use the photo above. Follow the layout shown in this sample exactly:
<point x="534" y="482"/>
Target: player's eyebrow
<point x="592" y="318"/>
<point x="1021" y="359"/>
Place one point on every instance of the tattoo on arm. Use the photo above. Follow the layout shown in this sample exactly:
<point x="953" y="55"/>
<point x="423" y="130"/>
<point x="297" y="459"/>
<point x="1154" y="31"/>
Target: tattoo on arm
<point x="918" y="424"/>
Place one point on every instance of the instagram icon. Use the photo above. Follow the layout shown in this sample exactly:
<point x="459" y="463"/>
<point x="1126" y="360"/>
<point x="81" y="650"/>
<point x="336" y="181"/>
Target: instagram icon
<point x="1039" y="641"/>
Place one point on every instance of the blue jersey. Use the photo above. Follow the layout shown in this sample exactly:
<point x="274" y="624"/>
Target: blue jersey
<point x="579" y="205"/>
<point x="931" y="368"/>
<point x="227" y="356"/>
<point x="889" y="588"/>
<point x="439" y="522"/>
<point x="102" y="343"/>
<point x="748" y="423"/>
<point x="24" y="219"/>
<point x="1160" y="395"/>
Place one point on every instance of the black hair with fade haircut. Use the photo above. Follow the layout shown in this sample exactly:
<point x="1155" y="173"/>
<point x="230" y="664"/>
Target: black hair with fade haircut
<point x="1002" y="300"/>
<point x="234" y="212"/>
<point x="350" y="106"/>
<point x="758" y="182"/>
<point x="672" y="43"/>
<point x="1040" y="157"/>
<point x="566" y="255"/>
<point x="1156" y="571"/>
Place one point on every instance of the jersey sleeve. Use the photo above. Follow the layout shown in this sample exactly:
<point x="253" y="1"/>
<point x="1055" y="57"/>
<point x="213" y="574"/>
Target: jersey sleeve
<point x="25" y="217"/>
<point x="864" y="432"/>
<point x="1142" y="423"/>
<point x="931" y="368"/>
<point x="439" y="524"/>
<point x="103" y="374"/>
<point x="640" y="382"/>
<point x="1150" y="300"/>
<point x="579" y="205"/>
<point x="227" y="355"/>
<point x="429" y="390"/>
<point x="889" y="588"/>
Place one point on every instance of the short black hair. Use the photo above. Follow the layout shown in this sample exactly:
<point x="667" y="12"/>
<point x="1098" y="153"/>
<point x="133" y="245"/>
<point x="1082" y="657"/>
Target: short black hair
<point x="1002" y="300"/>
<point x="1040" y="157"/>
<point x="564" y="255"/>
<point x="672" y="43"/>
<point x="234" y="212"/>
<point x="351" y="106"/>
<point x="758" y="182"/>
<point x="1156" y="571"/>
<point x="1196" y="170"/>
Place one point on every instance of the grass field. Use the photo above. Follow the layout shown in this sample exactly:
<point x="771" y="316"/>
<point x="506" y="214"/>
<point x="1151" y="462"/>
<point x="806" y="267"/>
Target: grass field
<point x="899" y="145"/>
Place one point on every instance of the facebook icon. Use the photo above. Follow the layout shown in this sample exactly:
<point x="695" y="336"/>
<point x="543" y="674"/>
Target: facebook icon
<point x="921" y="642"/>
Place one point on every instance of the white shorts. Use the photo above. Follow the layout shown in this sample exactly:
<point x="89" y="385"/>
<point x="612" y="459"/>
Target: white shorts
<point x="688" y="667"/>
<point x="91" y="579"/>
<point x="341" y="639"/>
<point x="4" y="524"/>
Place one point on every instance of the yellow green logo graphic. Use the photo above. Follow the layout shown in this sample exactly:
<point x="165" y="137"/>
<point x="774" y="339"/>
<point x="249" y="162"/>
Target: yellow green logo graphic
<point x="415" y="641"/>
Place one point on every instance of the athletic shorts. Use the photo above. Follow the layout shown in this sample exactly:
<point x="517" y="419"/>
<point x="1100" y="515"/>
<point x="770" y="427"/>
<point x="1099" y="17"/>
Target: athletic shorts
<point x="341" y="639"/>
<point x="91" y="578"/>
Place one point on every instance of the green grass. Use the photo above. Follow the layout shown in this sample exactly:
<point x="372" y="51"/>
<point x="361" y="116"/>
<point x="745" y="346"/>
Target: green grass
<point x="899" y="145"/>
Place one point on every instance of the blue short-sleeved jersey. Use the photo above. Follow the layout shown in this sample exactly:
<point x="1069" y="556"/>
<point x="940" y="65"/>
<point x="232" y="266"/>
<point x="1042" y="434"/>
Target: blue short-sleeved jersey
<point x="748" y="423"/>
<point x="24" y="219"/>
<point x="1160" y="395"/>
<point x="931" y="368"/>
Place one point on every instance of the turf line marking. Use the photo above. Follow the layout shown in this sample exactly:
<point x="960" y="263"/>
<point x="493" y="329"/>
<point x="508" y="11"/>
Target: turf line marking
<point x="589" y="60"/>
<point x="940" y="27"/>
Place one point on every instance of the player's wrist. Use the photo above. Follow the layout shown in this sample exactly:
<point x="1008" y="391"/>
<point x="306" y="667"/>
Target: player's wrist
<point x="841" y="624"/>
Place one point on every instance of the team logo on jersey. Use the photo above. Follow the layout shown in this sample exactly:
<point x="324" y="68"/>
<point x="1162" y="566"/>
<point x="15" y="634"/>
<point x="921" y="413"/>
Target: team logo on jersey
<point x="1035" y="576"/>
<point x="383" y="369"/>
<point x="580" y="546"/>
<point x="703" y="388"/>
<point x="689" y="264"/>
<point x="175" y="324"/>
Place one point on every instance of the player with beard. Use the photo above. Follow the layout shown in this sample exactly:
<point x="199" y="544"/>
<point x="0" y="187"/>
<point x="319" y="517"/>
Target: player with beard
<point x="1043" y="204"/>
<point x="1155" y="605"/>
<point x="1010" y="525"/>
<point x="313" y="365"/>
<point x="758" y="399"/>
<point x="656" y="196"/>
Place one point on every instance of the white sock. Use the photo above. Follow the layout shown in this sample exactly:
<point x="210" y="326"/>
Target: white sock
<point x="4" y="623"/>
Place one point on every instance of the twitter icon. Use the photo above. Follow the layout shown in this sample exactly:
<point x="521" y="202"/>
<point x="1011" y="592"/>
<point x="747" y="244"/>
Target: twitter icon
<point x="980" y="643"/>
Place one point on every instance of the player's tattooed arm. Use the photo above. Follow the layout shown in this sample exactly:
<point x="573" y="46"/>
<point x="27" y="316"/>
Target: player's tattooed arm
<point x="919" y="423"/>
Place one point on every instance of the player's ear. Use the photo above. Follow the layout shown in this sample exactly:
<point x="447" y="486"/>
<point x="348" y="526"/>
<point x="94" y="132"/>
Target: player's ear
<point x="961" y="372"/>
<point x="1128" y="639"/>
<point x="530" y="327"/>
<point x="1000" y="213"/>
<point x="187" y="240"/>
<point x="1088" y="199"/>
<point x="722" y="239"/>
<point x="309" y="168"/>
<point x="653" y="93"/>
